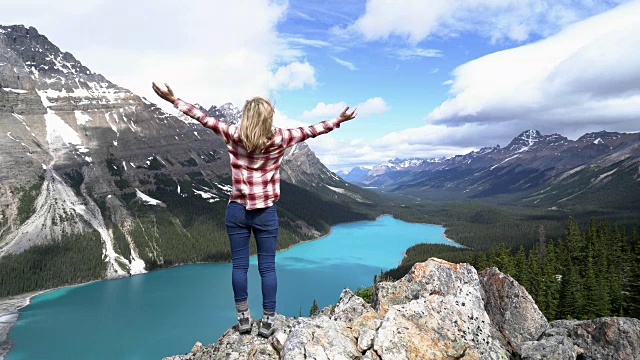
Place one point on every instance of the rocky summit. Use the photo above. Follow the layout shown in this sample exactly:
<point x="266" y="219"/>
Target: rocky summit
<point x="439" y="310"/>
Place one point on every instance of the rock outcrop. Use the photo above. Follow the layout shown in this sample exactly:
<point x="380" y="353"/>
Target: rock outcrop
<point x="439" y="310"/>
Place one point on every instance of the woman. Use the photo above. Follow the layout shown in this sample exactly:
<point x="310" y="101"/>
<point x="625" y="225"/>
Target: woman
<point x="256" y="150"/>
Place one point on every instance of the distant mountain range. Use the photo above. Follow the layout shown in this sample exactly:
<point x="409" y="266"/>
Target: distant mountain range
<point x="82" y="154"/>
<point x="600" y="168"/>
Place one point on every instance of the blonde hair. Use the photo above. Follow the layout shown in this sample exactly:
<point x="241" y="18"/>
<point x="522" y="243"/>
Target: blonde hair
<point x="256" y="128"/>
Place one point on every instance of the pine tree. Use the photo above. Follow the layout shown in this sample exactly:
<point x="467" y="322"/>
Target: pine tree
<point x="603" y="276"/>
<point x="575" y="243"/>
<point x="589" y="290"/>
<point x="551" y="289"/>
<point x="482" y="262"/>
<point x="505" y="261"/>
<point x="542" y="243"/>
<point x="570" y="293"/>
<point x="470" y="259"/>
<point x="522" y="268"/>
<point x="493" y="257"/>
<point x="617" y="264"/>
<point x="633" y="283"/>
<point x="314" y="308"/>
<point x="535" y="272"/>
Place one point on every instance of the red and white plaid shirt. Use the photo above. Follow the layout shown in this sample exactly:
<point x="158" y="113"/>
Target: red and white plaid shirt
<point x="256" y="177"/>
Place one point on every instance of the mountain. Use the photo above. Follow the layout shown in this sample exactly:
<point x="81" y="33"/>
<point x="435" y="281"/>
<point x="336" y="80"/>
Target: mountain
<point x="85" y="157"/>
<point x="533" y="169"/>
<point x="355" y="174"/>
<point x="440" y="310"/>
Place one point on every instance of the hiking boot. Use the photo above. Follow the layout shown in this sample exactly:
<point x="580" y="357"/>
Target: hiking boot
<point x="244" y="322"/>
<point x="267" y="325"/>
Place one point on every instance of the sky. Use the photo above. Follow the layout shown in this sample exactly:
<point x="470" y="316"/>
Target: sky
<point x="429" y="78"/>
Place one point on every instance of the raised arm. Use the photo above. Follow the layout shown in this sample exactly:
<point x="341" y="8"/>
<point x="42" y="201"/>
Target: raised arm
<point x="222" y="129"/>
<point x="296" y="135"/>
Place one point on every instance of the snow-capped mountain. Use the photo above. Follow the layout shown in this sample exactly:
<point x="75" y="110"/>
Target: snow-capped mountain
<point x="530" y="163"/>
<point x="354" y="174"/>
<point x="82" y="154"/>
<point x="227" y="112"/>
<point x="396" y="164"/>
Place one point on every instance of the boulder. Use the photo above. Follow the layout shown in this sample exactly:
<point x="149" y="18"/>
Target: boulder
<point x="511" y="309"/>
<point x="320" y="338"/>
<point x="359" y="317"/>
<point x="603" y="338"/>
<point x="551" y="348"/>
<point x="435" y="311"/>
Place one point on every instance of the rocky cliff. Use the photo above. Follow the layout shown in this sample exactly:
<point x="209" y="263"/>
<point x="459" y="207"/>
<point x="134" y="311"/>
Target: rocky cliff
<point x="439" y="310"/>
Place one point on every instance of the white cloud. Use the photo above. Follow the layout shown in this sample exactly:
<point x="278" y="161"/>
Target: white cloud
<point x="307" y="42"/>
<point x="346" y="64"/>
<point x="323" y="110"/>
<point x="295" y="75"/>
<point x="581" y="75"/>
<point x="495" y="19"/>
<point x="426" y="141"/>
<point x="375" y="105"/>
<point x="371" y="106"/>
<point x="201" y="49"/>
<point x="412" y="53"/>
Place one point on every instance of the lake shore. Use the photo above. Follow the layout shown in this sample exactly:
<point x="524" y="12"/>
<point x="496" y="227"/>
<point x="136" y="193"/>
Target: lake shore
<point x="448" y="239"/>
<point x="9" y="312"/>
<point x="10" y="306"/>
<point x="404" y="254"/>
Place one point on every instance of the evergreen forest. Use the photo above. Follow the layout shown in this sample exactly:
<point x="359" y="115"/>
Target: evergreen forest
<point x="589" y="272"/>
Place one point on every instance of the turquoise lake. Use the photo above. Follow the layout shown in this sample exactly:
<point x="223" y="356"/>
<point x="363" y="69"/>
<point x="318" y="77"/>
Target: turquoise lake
<point x="165" y="312"/>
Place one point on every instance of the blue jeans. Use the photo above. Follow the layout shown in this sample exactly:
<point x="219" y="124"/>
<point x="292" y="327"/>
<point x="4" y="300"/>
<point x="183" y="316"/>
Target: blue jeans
<point x="240" y="222"/>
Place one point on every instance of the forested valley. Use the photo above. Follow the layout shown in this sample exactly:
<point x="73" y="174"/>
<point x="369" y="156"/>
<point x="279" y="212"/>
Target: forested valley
<point x="589" y="272"/>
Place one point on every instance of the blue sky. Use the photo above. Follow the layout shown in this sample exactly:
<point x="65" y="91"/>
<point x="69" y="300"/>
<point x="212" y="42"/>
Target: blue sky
<point x="433" y="78"/>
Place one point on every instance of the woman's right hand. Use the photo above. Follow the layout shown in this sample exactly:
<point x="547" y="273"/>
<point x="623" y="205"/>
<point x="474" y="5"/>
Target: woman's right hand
<point x="164" y="94"/>
<point x="345" y="116"/>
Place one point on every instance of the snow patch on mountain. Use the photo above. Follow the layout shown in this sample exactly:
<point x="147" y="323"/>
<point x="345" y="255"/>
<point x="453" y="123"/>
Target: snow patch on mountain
<point x="504" y="161"/>
<point x="19" y="91"/>
<point x="148" y="199"/>
<point x="60" y="135"/>
<point x="336" y="189"/>
<point x="207" y="195"/>
<point x="225" y="188"/>
<point x="81" y="118"/>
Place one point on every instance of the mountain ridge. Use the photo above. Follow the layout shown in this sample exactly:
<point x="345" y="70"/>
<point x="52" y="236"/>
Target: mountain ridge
<point x="529" y="163"/>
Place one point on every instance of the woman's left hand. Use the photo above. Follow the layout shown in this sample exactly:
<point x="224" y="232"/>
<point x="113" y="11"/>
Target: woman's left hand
<point x="165" y="94"/>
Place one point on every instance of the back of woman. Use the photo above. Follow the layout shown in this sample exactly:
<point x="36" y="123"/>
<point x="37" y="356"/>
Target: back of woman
<point x="256" y="150"/>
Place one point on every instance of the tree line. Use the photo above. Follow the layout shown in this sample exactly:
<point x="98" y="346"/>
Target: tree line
<point x="75" y="258"/>
<point x="587" y="273"/>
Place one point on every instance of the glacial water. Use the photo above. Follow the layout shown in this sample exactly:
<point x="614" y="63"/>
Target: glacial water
<point x="165" y="312"/>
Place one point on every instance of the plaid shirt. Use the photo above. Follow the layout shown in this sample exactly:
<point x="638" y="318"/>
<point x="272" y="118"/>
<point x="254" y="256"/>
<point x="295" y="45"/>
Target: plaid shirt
<point x="256" y="177"/>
